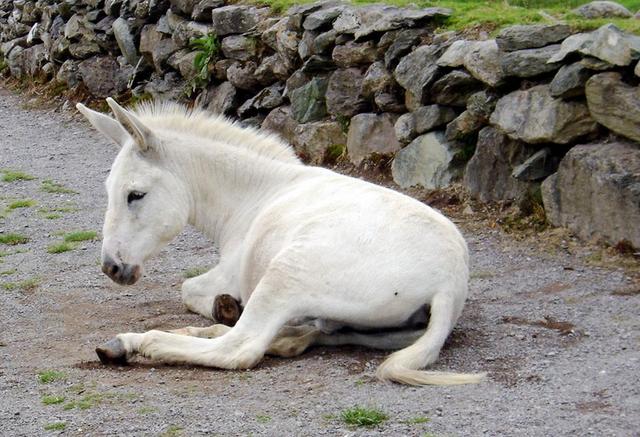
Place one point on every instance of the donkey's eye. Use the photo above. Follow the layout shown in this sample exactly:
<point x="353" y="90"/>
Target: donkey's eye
<point x="135" y="195"/>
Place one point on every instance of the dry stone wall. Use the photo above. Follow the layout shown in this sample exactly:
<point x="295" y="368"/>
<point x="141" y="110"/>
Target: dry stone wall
<point x="538" y="104"/>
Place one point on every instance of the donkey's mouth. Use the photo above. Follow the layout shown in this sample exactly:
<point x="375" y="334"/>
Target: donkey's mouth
<point x="120" y="273"/>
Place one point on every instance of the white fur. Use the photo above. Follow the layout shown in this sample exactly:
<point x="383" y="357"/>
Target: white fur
<point x="296" y="242"/>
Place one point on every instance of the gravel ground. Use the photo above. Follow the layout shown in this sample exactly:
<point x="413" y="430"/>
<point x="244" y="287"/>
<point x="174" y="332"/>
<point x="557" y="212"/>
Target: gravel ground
<point x="558" y="337"/>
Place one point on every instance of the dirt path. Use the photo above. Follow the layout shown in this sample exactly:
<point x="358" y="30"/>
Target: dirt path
<point x="574" y="373"/>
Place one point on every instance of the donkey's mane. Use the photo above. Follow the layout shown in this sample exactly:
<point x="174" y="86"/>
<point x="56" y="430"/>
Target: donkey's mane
<point x="197" y="121"/>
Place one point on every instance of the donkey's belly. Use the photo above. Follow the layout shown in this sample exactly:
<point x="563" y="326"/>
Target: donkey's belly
<point x="417" y="320"/>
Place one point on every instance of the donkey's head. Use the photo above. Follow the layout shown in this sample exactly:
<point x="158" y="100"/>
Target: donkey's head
<point x="147" y="202"/>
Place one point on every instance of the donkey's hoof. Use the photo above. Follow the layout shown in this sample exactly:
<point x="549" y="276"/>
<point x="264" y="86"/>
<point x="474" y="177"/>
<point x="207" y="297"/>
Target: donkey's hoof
<point x="226" y="309"/>
<point x="112" y="353"/>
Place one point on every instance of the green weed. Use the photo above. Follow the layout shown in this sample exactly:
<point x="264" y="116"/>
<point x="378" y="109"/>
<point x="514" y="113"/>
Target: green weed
<point x="26" y="285"/>
<point x="48" y="376"/>
<point x="417" y="420"/>
<point x="77" y="236"/>
<point x="195" y="271"/>
<point x="13" y="175"/>
<point x="8" y="272"/>
<point x="52" y="399"/>
<point x="359" y="416"/>
<point x="55" y="426"/>
<point x="60" y="247"/>
<point x="146" y="410"/>
<point x="207" y="47"/>
<point x="13" y="239"/>
<point x="172" y="431"/>
<point x="50" y="186"/>
<point x="24" y="203"/>
<point x="263" y="418"/>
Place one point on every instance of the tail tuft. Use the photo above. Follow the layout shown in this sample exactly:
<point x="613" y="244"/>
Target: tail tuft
<point x="390" y="371"/>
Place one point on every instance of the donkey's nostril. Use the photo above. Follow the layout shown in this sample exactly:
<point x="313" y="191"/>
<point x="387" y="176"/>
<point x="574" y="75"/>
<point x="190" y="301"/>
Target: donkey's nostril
<point x="113" y="269"/>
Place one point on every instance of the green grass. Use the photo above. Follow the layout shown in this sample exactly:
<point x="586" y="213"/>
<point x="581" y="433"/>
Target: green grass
<point x="55" y="426"/>
<point x="417" y="420"/>
<point x="26" y="285"/>
<point x="263" y="418"/>
<point x="146" y="410"/>
<point x="8" y="272"/>
<point x="74" y="237"/>
<point x="195" y="271"/>
<point x="60" y="248"/>
<point x="13" y="175"/>
<point x="172" y="431"/>
<point x="50" y="186"/>
<point x="13" y="239"/>
<point x="207" y="48"/>
<point x="55" y="212"/>
<point x="496" y="14"/>
<point x="52" y="399"/>
<point x="359" y="416"/>
<point x="24" y="203"/>
<point x="49" y="376"/>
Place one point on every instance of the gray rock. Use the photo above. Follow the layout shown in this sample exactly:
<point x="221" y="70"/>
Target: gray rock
<point x="280" y="121"/>
<point x="183" y="61"/>
<point x="34" y="59"/>
<point x="488" y="175"/>
<point x="324" y="42"/>
<point x="183" y="6"/>
<point x="483" y="62"/>
<point x="308" y="101"/>
<point x="220" y="68"/>
<point x="239" y="47"/>
<point x="269" y="36"/>
<point x="237" y="19"/>
<point x="162" y="50"/>
<point x="428" y="161"/>
<point x="371" y="134"/>
<point x="272" y="69"/>
<point x="614" y="104"/>
<point x="602" y="9"/>
<point x="464" y="125"/>
<point x="403" y="41"/>
<point x="569" y="81"/>
<point x="124" y="38"/>
<point x="296" y="80"/>
<point x="268" y="98"/>
<point x="343" y="95"/>
<point x="416" y="71"/>
<point x="405" y="128"/>
<point x="608" y="43"/>
<point x="168" y="87"/>
<point x="84" y="49"/>
<point x="596" y="192"/>
<point x="353" y="54"/>
<point x="323" y="17"/>
<point x="185" y="31"/>
<point x="454" y="88"/>
<point x="221" y="99"/>
<point x="390" y="101"/>
<point x="15" y="61"/>
<point x="306" y="46"/>
<point x="78" y="27"/>
<point x="202" y="9"/>
<point x="636" y="70"/>
<point x="103" y="77"/>
<point x="7" y="46"/>
<point x="69" y="74"/>
<point x="455" y="53"/>
<point x="318" y="64"/>
<point x="242" y="75"/>
<point x="312" y="140"/>
<point x="534" y="116"/>
<point x="529" y="62"/>
<point x="596" y="64"/>
<point x="149" y="37"/>
<point x="537" y="167"/>
<point x="427" y="118"/>
<point x="376" y="80"/>
<point x="287" y="47"/>
<point x="531" y="36"/>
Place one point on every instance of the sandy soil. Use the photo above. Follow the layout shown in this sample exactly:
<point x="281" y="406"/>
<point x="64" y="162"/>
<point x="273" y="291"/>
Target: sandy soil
<point x="559" y="337"/>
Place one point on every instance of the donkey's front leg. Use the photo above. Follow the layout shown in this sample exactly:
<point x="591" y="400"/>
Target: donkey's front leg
<point x="242" y="347"/>
<point x="199" y="293"/>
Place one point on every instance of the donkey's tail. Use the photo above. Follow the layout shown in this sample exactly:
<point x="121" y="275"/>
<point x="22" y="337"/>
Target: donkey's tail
<point x="404" y="365"/>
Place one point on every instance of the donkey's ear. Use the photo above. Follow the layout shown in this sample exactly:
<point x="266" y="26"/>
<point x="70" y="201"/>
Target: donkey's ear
<point x="106" y="125"/>
<point x="142" y="135"/>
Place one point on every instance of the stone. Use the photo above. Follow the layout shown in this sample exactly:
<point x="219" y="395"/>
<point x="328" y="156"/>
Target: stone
<point x="220" y="68"/>
<point x="537" y="167"/>
<point x="354" y="54"/>
<point x="318" y="64"/>
<point x="636" y="70"/>
<point x="403" y="41"/>
<point x="602" y="9"/>
<point x="324" y="42"/>
<point x="161" y="53"/>
<point x="202" y="9"/>
<point x="268" y="98"/>
<point x="390" y="101"/>
<point x="405" y="128"/>
<point x="312" y="140"/>
<point x="186" y="31"/>
<point x="78" y="28"/>
<point x="15" y="61"/>
<point x="483" y="62"/>
<point x="308" y="101"/>
<point x="455" y="53"/>
<point x="34" y="59"/>
<point x="183" y="61"/>
<point x="236" y="19"/>
<point x="607" y="43"/>
<point x="306" y="46"/>
<point x="280" y="122"/>
<point x="323" y="17"/>
<point x="69" y="74"/>
<point x="7" y="46"/>
<point x="124" y="38"/>
<point x="428" y="161"/>
<point x="416" y="71"/>
<point x="596" y="192"/>
<point x="271" y="69"/>
<point x="534" y="116"/>
<point x="103" y="77"/>
<point x="343" y="95"/>
<point x="531" y="36"/>
<point x="427" y="118"/>
<point x="287" y="47"/>
<point x="239" y="47"/>
<point x="596" y="64"/>
<point x="168" y="87"/>
<point x="183" y="6"/>
<point x="376" y="80"/>
<point x="221" y="99"/>
<point x="242" y="75"/>
<point x="614" y="104"/>
<point x="463" y="126"/>
<point x="529" y="62"/>
<point x="454" y="88"/>
<point x="269" y="36"/>
<point x="84" y="49"/>
<point x="371" y="134"/>
<point x="296" y="80"/>
<point x="569" y="81"/>
<point x="149" y="37"/>
<point x="488" y="174"/>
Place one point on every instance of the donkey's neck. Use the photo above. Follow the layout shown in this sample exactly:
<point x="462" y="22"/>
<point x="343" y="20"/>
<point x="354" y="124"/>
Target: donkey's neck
<point x="229" y="186"/>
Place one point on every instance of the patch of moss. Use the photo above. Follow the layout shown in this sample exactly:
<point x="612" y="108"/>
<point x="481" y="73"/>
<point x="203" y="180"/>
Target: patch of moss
<point x="78" y="236"/>
<point x="13" y="239"/>
<point x="52" y="399"/>
<point x="55" y="426"/>
<point x="24" y="203"/>
<point x="50" y="186"/>
<point x="14" y="175"/>
<point x="60" y="247"/>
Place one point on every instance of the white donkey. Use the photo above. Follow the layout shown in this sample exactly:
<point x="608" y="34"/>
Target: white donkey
<point x="296" y="243"/>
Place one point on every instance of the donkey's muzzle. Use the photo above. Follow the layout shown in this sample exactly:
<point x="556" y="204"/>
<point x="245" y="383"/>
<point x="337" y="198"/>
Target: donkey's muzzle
<point x="123" y="274"/>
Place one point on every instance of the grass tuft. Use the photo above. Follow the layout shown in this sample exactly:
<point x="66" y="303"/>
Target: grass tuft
<point x="8" y="272"/>
<point x="24" y="203"/>
<point x="12" y="176"/>
<point x="50" y="186"/>
<point x="13" y="239"/>
<point x="359" y="416"/>
<point x="195" y="271"/>
<point x="73" y="237"/>
<point x="48" y="376"/>
<point x="55" y="426"/>
<point x="26" y="285"/>
<point x="52" y="399"/>
<point x="172" y="431"/>
<point x="60" y="248"/>
<point x="263" y="418"/>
